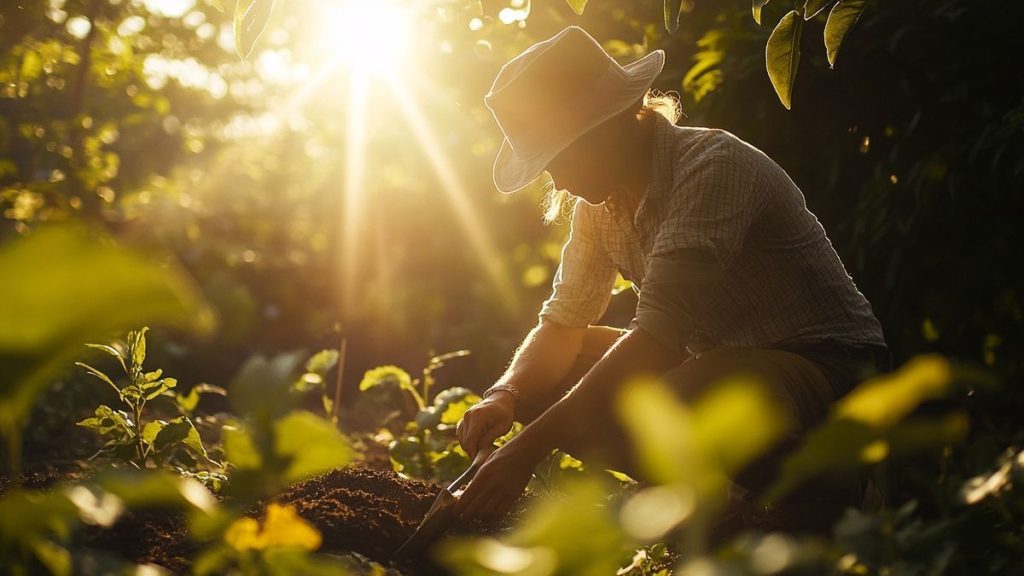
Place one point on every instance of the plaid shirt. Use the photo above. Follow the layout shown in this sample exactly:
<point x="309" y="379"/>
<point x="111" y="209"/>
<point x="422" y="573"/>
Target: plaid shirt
<point x="722" y="252"/>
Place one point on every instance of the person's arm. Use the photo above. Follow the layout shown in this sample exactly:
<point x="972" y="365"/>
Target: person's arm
<point x="580" y="293"/>
<point x="636" y="355"/>
<point x="502" y="478"/>
<point x="543" y="360"/>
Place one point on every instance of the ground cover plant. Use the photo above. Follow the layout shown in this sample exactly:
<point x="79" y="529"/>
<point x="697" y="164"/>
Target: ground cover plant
<point x="199" y="200"/>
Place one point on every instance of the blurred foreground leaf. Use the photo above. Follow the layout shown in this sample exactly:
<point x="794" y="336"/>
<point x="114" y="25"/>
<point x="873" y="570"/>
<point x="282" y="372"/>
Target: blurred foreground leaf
<point x="571" y="533"/>
<point x="311" y="444"/>
<point x="729" y="426"/>
<point x="251" y="17"/>
<point x="873" y="423"/>
<point x="64" y="287"/>
<point x="283" y="527"/>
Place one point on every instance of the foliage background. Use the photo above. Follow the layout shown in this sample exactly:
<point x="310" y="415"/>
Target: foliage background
<point x="145" y="123"/>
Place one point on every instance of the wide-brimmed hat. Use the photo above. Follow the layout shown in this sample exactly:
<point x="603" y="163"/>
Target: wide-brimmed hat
<point x="553" y="93"/>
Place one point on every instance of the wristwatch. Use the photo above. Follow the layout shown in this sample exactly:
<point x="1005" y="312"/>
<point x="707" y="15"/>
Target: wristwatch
<point x="503" y="388"/>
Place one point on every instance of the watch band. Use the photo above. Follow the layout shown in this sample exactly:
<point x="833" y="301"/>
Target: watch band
<point x="503" y="388"/>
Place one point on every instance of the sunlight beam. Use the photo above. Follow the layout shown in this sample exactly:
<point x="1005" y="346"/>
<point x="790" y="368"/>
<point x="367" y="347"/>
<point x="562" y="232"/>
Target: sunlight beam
<point x="469" y="220"/>
<point x="354" y="190"/>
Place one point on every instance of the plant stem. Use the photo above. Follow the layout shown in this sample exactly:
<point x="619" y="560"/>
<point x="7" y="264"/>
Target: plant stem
<point x="336" y="407"/>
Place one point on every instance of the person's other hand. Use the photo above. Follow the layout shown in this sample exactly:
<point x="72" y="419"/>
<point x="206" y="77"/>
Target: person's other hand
<point x="500" y="481"/>
<point x="485" y="422"/>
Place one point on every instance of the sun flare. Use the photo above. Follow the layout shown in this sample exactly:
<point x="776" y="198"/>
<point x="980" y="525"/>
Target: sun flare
<point x="352" y="34"/>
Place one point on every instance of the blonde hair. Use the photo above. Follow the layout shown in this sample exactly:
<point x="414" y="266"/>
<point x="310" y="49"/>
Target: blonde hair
<point x="557" y="204"/>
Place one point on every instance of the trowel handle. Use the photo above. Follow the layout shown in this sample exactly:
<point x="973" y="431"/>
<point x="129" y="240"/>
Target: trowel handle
<point x="482" y="454"/>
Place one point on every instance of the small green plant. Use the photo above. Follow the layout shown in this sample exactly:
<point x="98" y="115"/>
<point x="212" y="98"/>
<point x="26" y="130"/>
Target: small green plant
<point x="424" y="444"/>
<point x="129" y="437"/>
<point x="315" y="378"/>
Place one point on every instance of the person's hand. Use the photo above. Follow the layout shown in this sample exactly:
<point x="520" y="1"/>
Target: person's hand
<point x="486" y="421"/>
<point x="500" y="481"/>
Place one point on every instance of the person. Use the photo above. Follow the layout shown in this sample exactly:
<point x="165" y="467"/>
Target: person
<point x="733" y="273"/>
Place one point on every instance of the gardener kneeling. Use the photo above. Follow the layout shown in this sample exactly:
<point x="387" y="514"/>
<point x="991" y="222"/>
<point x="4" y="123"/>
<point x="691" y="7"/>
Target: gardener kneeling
<point x="734" y="273"/>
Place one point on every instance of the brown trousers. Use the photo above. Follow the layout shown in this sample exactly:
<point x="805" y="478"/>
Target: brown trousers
<point x="805" y="383"/>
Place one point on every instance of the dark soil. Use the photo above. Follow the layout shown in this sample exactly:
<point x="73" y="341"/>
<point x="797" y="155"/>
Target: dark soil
<point x="371" y="512"/>
<point x="364" y="510"/>
<point x="148" y="537"/>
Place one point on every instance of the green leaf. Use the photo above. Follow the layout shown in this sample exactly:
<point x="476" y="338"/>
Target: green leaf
<point x="845" y="445"/>
<point x="26" y="513"/>
<point x="109" y="350"/>
<point x="812" y="7"/>
<point x="312" y="444"/>
<point x="263" y="388"/>
<point x="841" y="18"/>
<point x="151" y="429"/>
<point x="661" y="431"/>
<point x="386" y="375"/>
<point x="251" y="17"/>
<point x="673" y="9"/>
<point x="240" y="447"/>
<point x="158" y="489"/>
<point x="728" y="426"/>
<point x="153" y="376"/>
<point x="159" y="387"/>
<point x="73" y="288"/>
<point x="116" y="350"/>
<point x="138" y="346"/>
<point x="31" y="66"/>
<point x="99" y="375"/>
<point x="55" y="557"/>
<point x="454" y="412"/>
<point x="547" y="539"/>
<point x="109" y="421"/>
<point x="577" y="6"/>
<point x="180" y="430"/>
<point x="885" y="400"/>
<point x="188" y="402"/>
<point x="756" y="10"/>
<point x="322" y="361"/>
<point x="782" y="56"/>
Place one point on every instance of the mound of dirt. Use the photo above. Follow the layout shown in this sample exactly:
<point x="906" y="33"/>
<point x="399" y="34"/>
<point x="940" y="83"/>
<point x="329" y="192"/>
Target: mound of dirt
<point x="148" y="537"/>
<point x="364" y="510"/>
<point x="371" y="512"/>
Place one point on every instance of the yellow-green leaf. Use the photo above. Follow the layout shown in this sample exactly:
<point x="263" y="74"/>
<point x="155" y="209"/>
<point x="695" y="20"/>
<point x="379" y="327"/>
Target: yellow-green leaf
<point x="673" y="9"/>
<point x="251" y="17"/>
<point x="887" y="399"/>
<point x="385" y="375"/>
<point x="782" y="56"/>
<point x="313" y="445"/>
<point x="577" y="6"/>
<point x="841" y="18"/>
<point x="68" y="287"/>
<point x="756" y="10"/>
<point x="812" y="7"/>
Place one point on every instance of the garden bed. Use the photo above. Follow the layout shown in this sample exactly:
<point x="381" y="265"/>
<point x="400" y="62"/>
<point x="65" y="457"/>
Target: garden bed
<point x="358" y="509"/>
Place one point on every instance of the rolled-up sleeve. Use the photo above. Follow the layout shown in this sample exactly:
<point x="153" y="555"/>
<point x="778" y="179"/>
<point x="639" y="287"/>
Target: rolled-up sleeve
<point x="582" y="286"/>
<point x="712" y="205"/>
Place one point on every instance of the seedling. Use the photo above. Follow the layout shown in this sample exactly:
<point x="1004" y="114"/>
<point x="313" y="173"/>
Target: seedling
<point x="129" y="438"/>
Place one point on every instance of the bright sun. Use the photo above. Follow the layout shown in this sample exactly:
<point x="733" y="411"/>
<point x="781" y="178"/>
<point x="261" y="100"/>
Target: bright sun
<point x="369" y="34"/>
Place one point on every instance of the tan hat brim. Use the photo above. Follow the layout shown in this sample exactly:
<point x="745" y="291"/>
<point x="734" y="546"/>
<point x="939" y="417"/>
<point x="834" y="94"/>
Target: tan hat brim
<point x="514" y="171"/>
